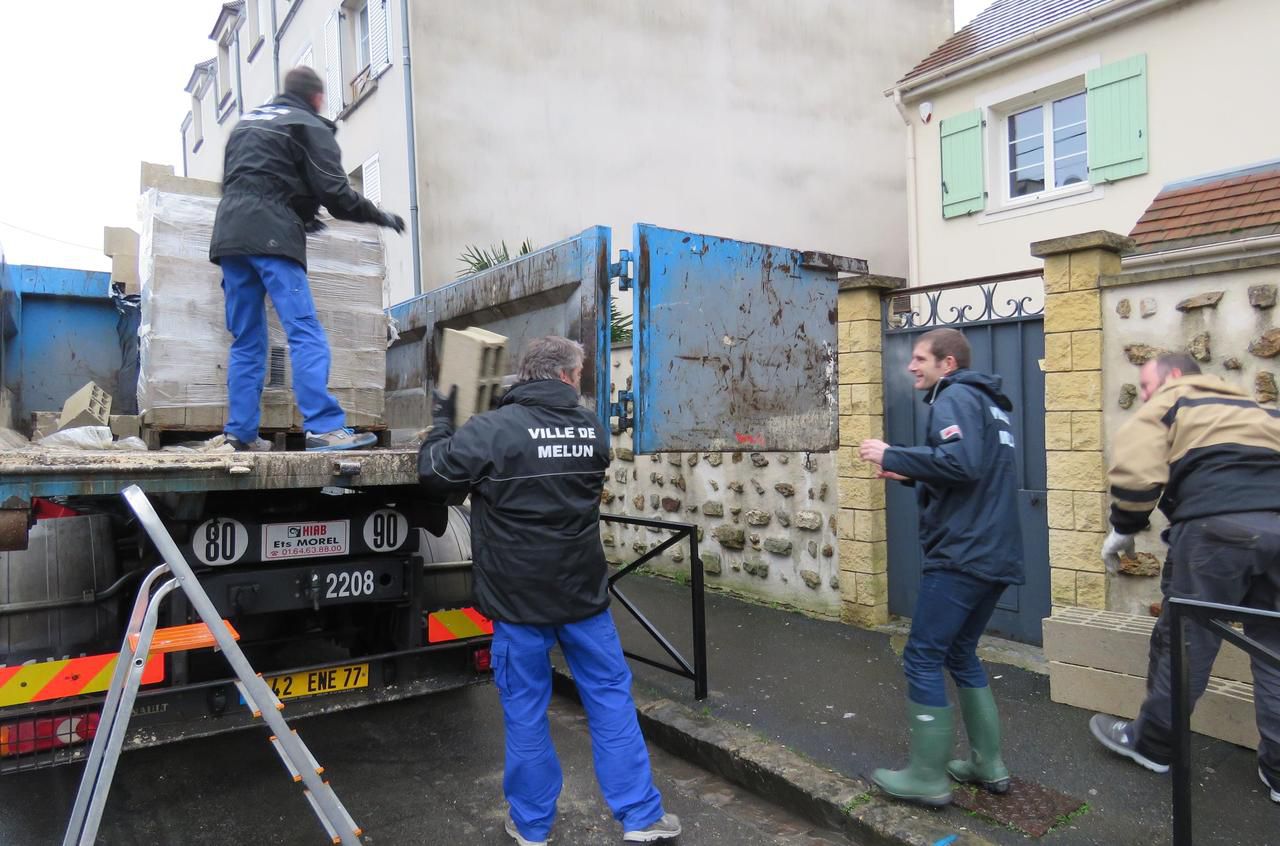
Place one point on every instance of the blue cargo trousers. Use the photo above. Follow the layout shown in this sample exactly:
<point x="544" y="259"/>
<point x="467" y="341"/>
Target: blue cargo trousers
<point x="246" y="281"/>
<point x="532" y="778"/>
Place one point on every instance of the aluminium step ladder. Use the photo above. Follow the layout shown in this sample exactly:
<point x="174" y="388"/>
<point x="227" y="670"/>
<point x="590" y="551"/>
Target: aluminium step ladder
<point x="143" y="639"/>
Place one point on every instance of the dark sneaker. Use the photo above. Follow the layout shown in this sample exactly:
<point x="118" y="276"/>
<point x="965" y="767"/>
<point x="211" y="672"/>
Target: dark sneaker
<point x="1275" y="791"/>
<point x="1117" y="735"/>
<point x="340" y="439"/>
<point x="518" y="837"/>
<point x="667" y="828"/>
<point x="255" y="445"/>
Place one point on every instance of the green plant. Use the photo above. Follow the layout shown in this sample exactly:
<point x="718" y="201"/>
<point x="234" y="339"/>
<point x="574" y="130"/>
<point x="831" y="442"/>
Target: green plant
<point x="475" y="259"/>
<point x="619" y="324"/>
<point x="859" y="800"/>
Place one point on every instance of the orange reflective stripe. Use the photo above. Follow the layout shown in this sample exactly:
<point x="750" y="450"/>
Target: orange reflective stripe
<point x="436" y="632"/>
<point x="73" y="677"/>
<point x="443" y="626"/>
<point x="482" y="622"/>
<point x="49" y="680"/>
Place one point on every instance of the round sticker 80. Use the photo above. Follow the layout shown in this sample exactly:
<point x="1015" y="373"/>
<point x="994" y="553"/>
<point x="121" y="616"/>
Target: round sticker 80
<point x="385" y="530"/>
<point x="220" y="541"/>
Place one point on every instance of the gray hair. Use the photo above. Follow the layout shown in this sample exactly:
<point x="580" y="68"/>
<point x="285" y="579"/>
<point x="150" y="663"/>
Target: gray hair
<point x="547" y="358"/>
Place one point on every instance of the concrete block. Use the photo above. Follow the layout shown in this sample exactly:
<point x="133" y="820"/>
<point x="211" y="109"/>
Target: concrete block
<point x="870" y="557"/>
<point x="475" y="360"/>
<point x="859" y="336"/>
<point x="1057" y="430"/>
<point x="89" y="406"/>
<point x="1057" y="274"/>
<point x="856" y="428"/>
<point x="1119" y="642"/>
<point x="862" y="399"/>
<point x="1076" y="550"/>
<point x="864" y="616"/>
<point x="859" y="304"/>
<point x="871" y="588"/>
<point x="1062" y="590"/>
<point x="869" y="525"/>
<point x="1076" y="471"/>
<point x="1061" y="511"/>
<point x="124" y="272"/>
<point x="866" y="494"/>
<point x="1086" y="430"/>
<point x="1075" y="391"/>
<point x="1073" y="312"/>
<point x="44" y="423"/>
<point x="125" y="425"/>
<point x="858" y="368"/>
<point x="119" y="241"/>
<point x="1057" y="352"/>
<point x="1224" y="712"/>
<point x="1086" y="350"/>
<point x="162" y="177"/>
<point x="1090" y="511"/>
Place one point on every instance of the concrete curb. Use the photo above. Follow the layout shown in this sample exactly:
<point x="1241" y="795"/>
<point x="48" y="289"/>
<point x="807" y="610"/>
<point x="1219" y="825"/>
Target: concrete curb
<point x="775" y="773"/>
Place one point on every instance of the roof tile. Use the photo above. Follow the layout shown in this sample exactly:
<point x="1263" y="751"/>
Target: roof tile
<point x="1212" y="210"/>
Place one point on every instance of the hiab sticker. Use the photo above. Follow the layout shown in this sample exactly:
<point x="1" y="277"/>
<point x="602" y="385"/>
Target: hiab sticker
<point x="950" y="432"/>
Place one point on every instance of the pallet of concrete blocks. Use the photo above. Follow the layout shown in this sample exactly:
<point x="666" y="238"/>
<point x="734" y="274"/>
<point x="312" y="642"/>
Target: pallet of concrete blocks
<point x="183" y="342"/>
<point x="475" y="360"/>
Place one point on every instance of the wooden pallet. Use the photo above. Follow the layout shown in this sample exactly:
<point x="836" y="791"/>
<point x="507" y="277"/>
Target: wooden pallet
<point x="280" y="424"/>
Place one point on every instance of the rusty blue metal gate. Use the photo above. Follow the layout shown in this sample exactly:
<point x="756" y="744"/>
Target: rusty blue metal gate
<point x="1003" y="320"/>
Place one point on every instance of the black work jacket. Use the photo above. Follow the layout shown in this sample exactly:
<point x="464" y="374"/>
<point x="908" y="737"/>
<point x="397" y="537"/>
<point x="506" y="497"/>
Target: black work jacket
<point x="282" y="163"/>
<point x="535" y="468"/>
<point x="966" y="479"/>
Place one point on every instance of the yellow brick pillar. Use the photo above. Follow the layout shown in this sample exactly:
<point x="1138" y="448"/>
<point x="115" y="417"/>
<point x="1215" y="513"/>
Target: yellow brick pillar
<point x="1077" y="500"/>
<point x="864" y="578"/>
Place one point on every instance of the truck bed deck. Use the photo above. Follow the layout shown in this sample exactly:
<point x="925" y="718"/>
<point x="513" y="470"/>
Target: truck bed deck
<point x="25" y="474"/>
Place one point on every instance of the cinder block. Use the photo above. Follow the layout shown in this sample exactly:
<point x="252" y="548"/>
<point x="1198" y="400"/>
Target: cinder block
<point x="44" y="423"/>
<point x="126" y="425"/>
<point x="119" y="241"/>
<point x="89" y="406"/>
<point x="124" y="272"/>
<point x="1119" y="642"/>
<point x="1225" y="711"/>
<point x="475" y="360"/>
<point x="163" y="177"/>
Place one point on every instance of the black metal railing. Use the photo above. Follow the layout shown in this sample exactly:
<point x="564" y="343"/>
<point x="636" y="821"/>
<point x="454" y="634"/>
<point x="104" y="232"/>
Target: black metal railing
<point x="1216" y="618"/>
<point x="697" y="670"/>
<point x="960" y="303"/>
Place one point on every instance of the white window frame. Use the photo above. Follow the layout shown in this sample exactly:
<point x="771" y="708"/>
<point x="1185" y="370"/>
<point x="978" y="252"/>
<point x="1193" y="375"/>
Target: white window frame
<point x="306" y="56"/>
<point x="365" y="56"/>
<point x="1050" y="191"/>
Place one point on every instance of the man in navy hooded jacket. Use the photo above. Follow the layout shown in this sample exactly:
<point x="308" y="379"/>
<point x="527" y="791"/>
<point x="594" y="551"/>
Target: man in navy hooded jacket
<point x="965" y="477"/>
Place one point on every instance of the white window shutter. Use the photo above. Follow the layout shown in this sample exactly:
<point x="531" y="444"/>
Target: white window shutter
<point x="332" y="68"/>
<point x="379" y="40"/>
<point x="306" y="58"/>
<point x="371" y="175"/>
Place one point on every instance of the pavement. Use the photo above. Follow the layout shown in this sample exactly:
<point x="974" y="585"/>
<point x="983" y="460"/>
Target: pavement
<point x="834" y="695"/>
<point x="422" y="771"/>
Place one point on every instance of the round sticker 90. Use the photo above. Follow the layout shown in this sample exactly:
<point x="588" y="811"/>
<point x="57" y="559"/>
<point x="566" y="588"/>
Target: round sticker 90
<point x="385" y="530"/>
<point x="220" y="541"/>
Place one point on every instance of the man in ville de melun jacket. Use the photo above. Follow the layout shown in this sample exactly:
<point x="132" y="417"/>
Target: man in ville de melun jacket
<point x="966" y="483"/>
<point x="535" y="469"/>
<point x="1209" y="456"/>
<point x="280" y="166"/>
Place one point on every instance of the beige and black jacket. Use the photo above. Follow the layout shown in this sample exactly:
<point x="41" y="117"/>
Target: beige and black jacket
<point x="1198" y="447"/>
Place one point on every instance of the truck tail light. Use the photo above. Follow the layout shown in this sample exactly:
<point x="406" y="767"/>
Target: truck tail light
<point x="481" y="659"/>
<point x="26" y="737"/>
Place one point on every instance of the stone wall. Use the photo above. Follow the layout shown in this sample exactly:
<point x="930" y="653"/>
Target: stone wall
<point x="768" y="520"/>
<point x="1224" y="315"/>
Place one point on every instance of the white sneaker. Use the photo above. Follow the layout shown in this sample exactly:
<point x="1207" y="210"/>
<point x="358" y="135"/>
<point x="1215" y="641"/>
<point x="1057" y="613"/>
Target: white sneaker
<point x="667" y="828"/>
<point x="1275" y="794"/>
<point x="517" y="836"/>
<point x="1117" y="735"/>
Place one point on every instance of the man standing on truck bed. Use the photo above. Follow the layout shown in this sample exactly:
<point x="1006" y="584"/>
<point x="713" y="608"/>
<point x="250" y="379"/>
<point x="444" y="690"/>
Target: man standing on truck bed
<point x="535" y="470"/>
<point x="281" y="164"/>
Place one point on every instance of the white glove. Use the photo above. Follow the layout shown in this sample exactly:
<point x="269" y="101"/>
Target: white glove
<point x="1113" y="547"/>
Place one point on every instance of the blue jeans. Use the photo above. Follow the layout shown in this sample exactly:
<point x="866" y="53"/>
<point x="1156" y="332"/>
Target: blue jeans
<point x="532" y="780"/>
<point x="952" y="611"/>
<point x="246" y="281"/>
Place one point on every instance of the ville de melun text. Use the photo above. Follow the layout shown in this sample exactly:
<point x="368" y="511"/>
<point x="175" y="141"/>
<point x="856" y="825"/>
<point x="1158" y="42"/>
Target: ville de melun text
<point x="565" y="433"/>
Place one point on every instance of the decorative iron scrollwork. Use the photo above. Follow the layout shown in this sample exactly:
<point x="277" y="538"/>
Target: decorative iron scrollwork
<point x="940" y="308"/>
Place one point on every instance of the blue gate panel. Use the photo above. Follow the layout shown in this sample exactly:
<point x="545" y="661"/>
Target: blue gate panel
<point x="735" y="345"/>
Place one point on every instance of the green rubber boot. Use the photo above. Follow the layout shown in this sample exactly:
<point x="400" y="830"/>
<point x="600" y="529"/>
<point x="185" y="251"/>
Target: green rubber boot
<point x="982" y="723"/>
<point x="925" y="778"/>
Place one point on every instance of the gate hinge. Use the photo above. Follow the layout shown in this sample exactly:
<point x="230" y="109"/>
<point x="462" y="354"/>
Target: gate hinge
<point x="621" y="270"/>
<point x="623" y="412"/>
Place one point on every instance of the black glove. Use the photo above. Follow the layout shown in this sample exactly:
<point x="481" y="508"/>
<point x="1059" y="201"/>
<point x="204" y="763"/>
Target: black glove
<point x="391" y="221"/>
<point x="315" y="226"/>
<point x="444" y="407"/>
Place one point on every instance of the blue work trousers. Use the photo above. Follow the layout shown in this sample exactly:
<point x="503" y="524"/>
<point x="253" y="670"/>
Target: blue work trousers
<point x="532" y="779"/>
<point x="952" y="611"/>
<point x="246" y="281"/>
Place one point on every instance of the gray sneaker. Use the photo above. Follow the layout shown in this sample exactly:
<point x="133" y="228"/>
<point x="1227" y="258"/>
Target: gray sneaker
<point x="1117" y="735"/>
<point x="340" y="439"/>
<point x="1275" y="791"/>
<point x="519" y="838"/>
<point x="255" y="445"/>
<point x="667" y="828"/>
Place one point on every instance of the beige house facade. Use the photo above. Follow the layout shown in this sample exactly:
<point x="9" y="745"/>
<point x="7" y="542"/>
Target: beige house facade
<point x="1163" y="88"/>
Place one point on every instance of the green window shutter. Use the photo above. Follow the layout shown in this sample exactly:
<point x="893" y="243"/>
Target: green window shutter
<point x="1116" y="103"/>
<point x="962" y="183"/>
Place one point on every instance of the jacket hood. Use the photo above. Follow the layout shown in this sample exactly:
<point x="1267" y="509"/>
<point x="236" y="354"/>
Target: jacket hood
<point x="1202" y="382"/>
<point x="299" y="103"/>
<point x="550" y="393"/>
<point x="988" y="383"/>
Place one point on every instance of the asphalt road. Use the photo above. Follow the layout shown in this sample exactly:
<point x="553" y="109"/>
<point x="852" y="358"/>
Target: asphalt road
<point x="425" y="771"/>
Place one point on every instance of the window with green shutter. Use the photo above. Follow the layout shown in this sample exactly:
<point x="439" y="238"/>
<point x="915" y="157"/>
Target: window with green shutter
<point x="963" y="188"/>
<point x="1117" y="105"/>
